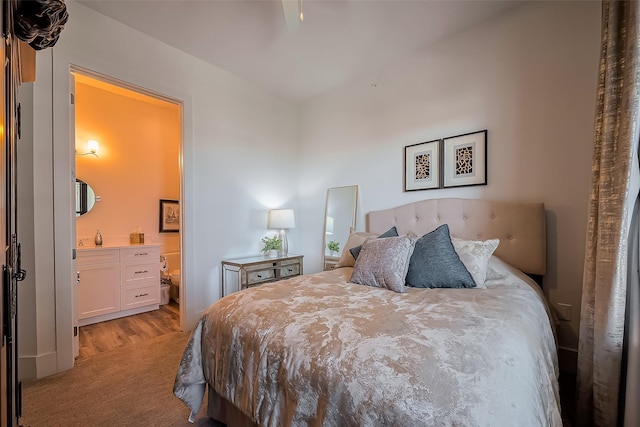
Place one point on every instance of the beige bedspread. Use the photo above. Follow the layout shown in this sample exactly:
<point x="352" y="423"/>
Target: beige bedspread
<point x="316" y="350"/>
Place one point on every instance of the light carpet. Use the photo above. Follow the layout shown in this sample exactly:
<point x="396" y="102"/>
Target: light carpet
<point x="131" y="385"/>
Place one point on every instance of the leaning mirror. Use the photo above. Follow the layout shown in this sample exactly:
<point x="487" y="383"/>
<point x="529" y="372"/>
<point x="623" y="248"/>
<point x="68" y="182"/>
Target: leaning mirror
<point x="339" y="218"/>
<point x="85" y="197"/>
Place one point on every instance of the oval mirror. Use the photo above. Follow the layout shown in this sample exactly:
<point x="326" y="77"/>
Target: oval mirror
<point x="85" y="197"/>
<point x="339" y="218"/>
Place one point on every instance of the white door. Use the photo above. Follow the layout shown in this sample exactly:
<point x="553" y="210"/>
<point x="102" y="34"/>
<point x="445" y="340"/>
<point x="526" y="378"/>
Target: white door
<point x="74" y="262"/>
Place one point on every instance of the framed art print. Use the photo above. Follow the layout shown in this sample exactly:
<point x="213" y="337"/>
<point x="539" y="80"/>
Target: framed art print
<point x="169" y="216"/>
<point x="422" y="166"/>
<point x="465" y="159"/>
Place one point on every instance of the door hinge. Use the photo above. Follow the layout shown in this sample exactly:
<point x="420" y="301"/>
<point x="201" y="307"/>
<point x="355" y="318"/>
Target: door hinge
<point x="75" y="331"/>
<point x="19" y="120"/>
<point x="20" y="274"/>
<point x="72" y="99"/>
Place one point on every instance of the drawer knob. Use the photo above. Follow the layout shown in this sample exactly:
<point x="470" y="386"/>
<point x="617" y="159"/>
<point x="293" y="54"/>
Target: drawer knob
<point x="142" y="295"/>
<point x="141" y="271"/>
<point x="259" y="276"/>
<point x="141" y="254"/>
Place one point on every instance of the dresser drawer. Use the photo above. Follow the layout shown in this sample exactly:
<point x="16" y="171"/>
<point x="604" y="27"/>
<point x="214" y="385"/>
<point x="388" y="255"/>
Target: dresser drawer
<point x="139" y="295"/>
<point x="259" y="276"/>
<point x="133" y="272"/>
<point x="141" y="253"/>
<point x="97" y="256"/>
<point x="247" y="272"/>
<point x="290" y="270"/>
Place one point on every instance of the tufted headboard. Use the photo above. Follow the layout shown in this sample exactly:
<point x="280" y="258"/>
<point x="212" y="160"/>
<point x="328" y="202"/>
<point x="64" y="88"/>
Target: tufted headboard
<point x="519" y="226"/>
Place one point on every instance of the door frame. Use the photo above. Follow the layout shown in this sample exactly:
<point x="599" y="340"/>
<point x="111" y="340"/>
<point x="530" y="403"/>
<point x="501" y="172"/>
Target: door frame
<point x="64" y="168"/>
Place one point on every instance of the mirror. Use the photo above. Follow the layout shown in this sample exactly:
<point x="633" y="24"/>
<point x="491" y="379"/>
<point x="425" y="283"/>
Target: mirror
<point x="339" y="217"/>
<point x="85" y="197"/>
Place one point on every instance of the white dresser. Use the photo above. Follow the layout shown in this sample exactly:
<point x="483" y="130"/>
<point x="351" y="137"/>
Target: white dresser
<point x="117" y="281"/>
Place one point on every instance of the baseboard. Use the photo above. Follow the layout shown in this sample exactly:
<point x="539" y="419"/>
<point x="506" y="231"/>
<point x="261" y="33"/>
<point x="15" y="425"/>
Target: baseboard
<point x="27" y="368"/>
<point x="568" y="360"/>
<point x="117" y="314"/>
<point x="40" y="366"/>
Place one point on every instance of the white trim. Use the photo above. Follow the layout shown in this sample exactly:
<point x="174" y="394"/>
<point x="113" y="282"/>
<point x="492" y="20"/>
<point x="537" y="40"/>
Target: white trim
<point x="63" y="63"/>
<point x="121" y="83"/>
<point x="39" y="366"/>
<point x="117" y="315"/>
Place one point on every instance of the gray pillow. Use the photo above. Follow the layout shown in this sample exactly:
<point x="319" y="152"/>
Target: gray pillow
<point x="392" y="232"/>
<point x="435" y="263"/>
<point x="383" y="263"/>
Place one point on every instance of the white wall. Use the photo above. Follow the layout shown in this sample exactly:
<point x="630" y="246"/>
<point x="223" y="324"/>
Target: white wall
<point x="236" y="139"/>
<point x="528" y="76"/>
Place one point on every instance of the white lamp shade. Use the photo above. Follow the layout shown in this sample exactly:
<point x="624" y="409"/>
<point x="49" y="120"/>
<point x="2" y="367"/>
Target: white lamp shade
<point x="281" y="218"/>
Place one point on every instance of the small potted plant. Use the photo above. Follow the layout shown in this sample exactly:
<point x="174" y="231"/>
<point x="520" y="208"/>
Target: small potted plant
<point x="271" y="246"/>
<point x="334" y="247"/>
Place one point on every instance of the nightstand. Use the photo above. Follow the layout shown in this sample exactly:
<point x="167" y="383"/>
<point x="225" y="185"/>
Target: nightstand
<point x="330" y="262"/>
<point x="242" y="273"/>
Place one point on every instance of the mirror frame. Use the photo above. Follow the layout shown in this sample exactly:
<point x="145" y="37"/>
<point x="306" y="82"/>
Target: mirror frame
<point x="329" y="260"/>
<point x="86" y="203"/>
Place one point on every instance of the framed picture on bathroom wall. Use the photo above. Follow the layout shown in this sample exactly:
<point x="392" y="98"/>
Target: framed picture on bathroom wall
<point x="169" y="216"/>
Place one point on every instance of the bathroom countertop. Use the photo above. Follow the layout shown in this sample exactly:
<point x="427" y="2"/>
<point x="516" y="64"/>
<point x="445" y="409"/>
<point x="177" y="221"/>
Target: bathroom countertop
<point x="114" y="246"/>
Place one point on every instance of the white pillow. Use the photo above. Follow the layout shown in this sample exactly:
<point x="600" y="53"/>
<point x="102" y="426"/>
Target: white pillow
<point x="475" y="255"/>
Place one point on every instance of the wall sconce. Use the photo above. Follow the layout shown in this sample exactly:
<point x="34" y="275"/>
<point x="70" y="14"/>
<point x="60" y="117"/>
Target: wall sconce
<point x="93" y="148"/>
<point x="282" y="218"/>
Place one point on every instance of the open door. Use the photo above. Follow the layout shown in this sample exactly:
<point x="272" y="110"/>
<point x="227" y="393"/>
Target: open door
<point x="10" y="249"/>
<point x="74" y="202"/>
<point x="7" y="400"/>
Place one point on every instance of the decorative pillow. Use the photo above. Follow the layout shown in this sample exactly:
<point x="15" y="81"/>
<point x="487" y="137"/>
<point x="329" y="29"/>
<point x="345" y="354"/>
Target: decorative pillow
<point x="475" y="255"/>
<point x="383" y="263"/>
<point x="392" y="232"/>
<point x="435" y="264"/>
<point x="356" y="238"/>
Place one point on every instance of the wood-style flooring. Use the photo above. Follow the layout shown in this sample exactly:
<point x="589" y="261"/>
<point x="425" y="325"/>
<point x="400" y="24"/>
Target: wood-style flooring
<point x="104" y="336"/>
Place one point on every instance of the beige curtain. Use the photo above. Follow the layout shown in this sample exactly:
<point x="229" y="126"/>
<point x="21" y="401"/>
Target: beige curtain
<point x="605" y="273"/>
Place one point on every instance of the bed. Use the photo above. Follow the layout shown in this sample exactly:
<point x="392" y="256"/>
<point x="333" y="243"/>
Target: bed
<point x="319" y="350"/>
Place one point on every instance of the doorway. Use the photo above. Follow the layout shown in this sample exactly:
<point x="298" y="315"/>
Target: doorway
<point x="128" y="146"/>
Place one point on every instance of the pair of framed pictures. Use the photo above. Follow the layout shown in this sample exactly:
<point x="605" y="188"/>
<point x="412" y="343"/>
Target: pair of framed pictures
<point x="456" y="161"/>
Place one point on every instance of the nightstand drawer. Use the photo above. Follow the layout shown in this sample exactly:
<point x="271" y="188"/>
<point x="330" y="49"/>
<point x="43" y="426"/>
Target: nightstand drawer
<point x="290" y="270"/>
<point x="259" y="276"/>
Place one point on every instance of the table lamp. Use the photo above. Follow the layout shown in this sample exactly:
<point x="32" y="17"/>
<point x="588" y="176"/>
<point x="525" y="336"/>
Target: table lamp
<point x="282" y="219"/>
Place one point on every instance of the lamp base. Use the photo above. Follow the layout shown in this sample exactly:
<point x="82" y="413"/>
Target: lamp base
<point x="285" y="245"/>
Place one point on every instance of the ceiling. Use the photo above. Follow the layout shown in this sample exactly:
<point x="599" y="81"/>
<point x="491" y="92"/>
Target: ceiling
<point x="338" y="40"/>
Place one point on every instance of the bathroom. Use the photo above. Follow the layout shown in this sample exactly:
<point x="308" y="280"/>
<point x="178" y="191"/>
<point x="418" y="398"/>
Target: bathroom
<point x="134" y="172"/>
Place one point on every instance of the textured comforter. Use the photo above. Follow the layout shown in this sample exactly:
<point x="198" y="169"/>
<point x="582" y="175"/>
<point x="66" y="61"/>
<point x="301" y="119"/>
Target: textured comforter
<point x="317" y="350"/>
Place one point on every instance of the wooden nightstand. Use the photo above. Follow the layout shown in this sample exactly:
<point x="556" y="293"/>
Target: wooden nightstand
<point x="242" y="273"/>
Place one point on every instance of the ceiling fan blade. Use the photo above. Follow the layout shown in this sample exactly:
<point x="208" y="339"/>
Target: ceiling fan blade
<point x="291" y="10"/>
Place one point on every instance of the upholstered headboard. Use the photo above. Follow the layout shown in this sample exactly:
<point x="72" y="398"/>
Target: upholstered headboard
<point x="519" y="226"/>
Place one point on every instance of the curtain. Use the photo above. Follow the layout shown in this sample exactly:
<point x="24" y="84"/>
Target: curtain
<point x="604" y="287"/>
